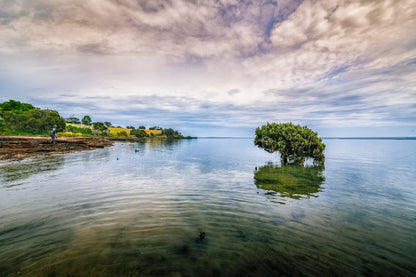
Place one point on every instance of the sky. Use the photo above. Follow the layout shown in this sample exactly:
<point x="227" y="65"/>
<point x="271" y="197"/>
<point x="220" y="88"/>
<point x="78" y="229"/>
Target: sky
<point x="216" y="67"/>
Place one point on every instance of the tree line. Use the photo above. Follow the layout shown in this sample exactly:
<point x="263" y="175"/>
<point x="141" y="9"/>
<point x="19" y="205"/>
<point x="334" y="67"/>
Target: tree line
<point x="104" y="126"/>
<point x="22" y="118"/>
<point x="17" y="118"/>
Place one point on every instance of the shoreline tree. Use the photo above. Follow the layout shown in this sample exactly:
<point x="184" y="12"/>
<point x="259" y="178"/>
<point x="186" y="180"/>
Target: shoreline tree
<point x="139" y="133"/>
<point x="294" y="143"/>
<point x="86" y="120"/>
<point x="72" y="119"/>
<point x="24" y="118"/>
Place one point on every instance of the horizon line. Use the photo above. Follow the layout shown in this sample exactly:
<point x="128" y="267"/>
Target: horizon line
<point x="381" y="138"/>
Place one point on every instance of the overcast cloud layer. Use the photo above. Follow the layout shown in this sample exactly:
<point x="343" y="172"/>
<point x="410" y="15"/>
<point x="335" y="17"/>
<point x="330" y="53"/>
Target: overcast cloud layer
<point x="202" y="65"/>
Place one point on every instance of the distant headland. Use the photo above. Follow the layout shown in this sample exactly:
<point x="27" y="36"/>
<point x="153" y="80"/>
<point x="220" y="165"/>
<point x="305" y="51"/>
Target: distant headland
<point x="25" y="131"/>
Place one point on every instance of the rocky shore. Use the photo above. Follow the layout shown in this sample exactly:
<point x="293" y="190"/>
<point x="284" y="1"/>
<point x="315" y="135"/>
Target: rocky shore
<point x="21" y="147"/>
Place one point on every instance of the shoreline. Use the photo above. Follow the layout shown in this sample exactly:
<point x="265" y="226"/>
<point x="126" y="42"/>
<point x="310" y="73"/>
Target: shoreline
<point x="16" y="148"/>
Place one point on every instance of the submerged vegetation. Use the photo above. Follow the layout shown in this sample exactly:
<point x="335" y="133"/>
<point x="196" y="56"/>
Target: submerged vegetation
<point x="294" y="143"/>
<point x="18" y="118"/>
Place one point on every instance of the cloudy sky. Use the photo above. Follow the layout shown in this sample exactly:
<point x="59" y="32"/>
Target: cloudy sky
<point x="216" y="67"/>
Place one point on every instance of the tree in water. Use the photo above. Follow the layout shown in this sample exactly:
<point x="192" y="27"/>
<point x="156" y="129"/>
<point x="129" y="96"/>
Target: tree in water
<point x="294" y="143"/>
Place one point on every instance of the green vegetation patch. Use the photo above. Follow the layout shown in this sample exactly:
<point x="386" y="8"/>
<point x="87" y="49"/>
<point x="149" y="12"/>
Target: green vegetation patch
<point x="294" y="143"/>
<point x="24" y="119"/>
<point x="17" y="118"/>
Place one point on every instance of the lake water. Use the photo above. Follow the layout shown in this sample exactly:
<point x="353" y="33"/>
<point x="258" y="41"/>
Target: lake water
<point x="211" y="207"/>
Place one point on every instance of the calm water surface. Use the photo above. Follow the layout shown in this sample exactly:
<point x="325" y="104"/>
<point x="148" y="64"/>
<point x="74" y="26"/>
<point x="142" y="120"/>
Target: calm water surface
<point x="138" y="209"/>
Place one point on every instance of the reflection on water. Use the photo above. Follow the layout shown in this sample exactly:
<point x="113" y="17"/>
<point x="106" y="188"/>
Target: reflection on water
<point x="138" y="209"/>
<point x="165" y="144"/>
<point x="293" y="181"/>
<point x="15" y="171"/>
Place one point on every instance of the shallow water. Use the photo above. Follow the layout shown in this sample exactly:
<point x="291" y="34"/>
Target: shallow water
<point x="138" y="209"/>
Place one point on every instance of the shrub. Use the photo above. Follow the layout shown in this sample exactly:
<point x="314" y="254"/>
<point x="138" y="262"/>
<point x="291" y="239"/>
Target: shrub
<point x="122" y="134"/>
<point x="295" y="143"/>
<point x="35" y="121"/>
<point x="99" y="126"/>
<point x="139" y="133"/>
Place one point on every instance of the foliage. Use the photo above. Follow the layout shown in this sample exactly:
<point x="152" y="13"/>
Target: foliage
<point x="114" y="131"/>
<point x="16" y="107"/>
<point x="86" y="120"/>
<point x="73" y="120"/>
<point x="80" y="130"/>
<point x="69" y="134"/>
<point x="99" y="126"/>
<point x="170" y="133"/>
<point x="295" y="143"/>
<point x="24" y="119"/>
<point x="139" y="133"/>
<point x="34" y="121"/>
<point x="154" y="133"/>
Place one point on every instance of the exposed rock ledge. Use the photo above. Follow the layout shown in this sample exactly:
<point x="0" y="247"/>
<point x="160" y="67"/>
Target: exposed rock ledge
<point x="21" y="147"/>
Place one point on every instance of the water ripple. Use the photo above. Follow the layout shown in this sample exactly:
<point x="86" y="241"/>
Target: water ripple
<point x="115" y="212"/>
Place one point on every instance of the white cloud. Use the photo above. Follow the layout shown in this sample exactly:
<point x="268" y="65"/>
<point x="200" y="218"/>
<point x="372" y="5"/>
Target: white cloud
<point x="323" y="60"/>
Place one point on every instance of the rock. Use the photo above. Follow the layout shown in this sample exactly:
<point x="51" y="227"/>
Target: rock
<point x="21" y="147"/>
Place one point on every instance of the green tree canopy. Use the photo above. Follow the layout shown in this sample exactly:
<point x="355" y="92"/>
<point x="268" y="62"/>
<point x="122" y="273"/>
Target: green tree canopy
<point x="73" y="120"/>
<point x="122" y="134"/>
<point x="86" y="120"/>
<point x="170" y="133"/>
<point x="16" y="107"/>
<point x="99" y="126"/>
<point x="34" y="121"/>
<point x="295" y="143"/>
<point x="139" y="133"/>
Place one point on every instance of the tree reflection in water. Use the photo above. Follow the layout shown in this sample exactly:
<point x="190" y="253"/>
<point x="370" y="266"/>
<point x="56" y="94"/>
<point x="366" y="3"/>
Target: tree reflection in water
<point x="292" y="181"/>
